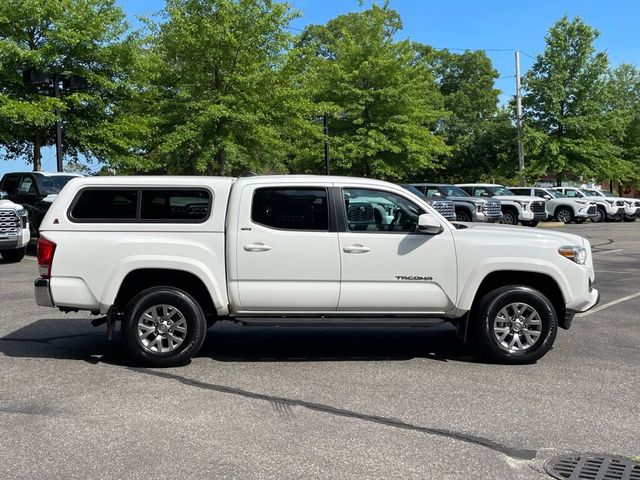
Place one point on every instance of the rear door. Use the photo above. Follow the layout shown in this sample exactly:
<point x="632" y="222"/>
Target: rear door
<point x="287" y="249"/>
<point x="387" y="264"/>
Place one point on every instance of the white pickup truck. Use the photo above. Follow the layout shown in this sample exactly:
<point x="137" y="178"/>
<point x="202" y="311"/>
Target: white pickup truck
<point x="168" y="256"/>
<point x="14" y="230"/>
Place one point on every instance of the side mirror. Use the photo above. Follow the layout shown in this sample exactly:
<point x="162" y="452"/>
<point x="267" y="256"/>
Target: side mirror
<point x="547" y="196"/>
<point x="3" y="195"/>
<point x="429" y="224"/>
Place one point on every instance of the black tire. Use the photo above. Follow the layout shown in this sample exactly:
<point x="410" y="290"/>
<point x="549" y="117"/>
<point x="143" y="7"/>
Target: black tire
<point x="196" y="326"/>
<point x="509" y="216"/>
<point x="579" y="220"/>
<point x="629" y="219"/>
<point x="564" y="214"/>
<point x="600" y="215"/>
<point x="463" y="216"/>
<point x="13" y="256"/>
<point x="485" y="314"/>
<point x="532" y="223"/>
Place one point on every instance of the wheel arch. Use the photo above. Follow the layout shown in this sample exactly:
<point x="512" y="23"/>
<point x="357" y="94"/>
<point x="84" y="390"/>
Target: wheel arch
<point x="542" y="282"/>
<point x="140" y="279"/>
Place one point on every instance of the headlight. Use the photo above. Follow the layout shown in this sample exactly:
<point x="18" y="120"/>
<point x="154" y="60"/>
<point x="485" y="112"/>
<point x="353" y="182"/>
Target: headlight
<point x="611" y="201"/>
<point x="525" y="205"/>
<point x="574" y="253"/>
<point x="479" y="206"/>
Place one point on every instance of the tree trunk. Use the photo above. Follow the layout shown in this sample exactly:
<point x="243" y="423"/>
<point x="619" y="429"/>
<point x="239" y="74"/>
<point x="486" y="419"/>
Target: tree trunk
<point x="559" y="178"/>
<point x="221" y="159"/>
<point x="37" y="154"/>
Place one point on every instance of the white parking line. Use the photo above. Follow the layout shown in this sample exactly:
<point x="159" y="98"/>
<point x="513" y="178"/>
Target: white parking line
<point x="615" y="250"/>
<point x="610" y="304"/>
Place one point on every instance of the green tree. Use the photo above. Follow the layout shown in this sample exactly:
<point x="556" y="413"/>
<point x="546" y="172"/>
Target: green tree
<point x="624" y="104"/>
<point x="81" y="38"/>
<point x="565" y="106"/>
<point x="482" y="137"/>
<point x="222" y="96"/>
<point x="382" y="98"/>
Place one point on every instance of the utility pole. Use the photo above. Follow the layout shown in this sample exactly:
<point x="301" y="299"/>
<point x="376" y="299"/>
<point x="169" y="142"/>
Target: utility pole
<point x="56" y="93"/>
<point x="327" y="164"/>
<point x="519" y="121"/>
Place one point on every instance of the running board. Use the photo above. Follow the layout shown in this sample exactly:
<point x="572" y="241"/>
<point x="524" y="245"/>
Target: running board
<point x="339" y="322"/>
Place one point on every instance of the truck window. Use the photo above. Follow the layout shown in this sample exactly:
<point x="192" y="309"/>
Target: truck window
<point x="105" y="205"/>
<point x="379" y="211"/>
<point x="291" y="208"/>
<point x="11" y="184"/>
<point x="175" y="205"/>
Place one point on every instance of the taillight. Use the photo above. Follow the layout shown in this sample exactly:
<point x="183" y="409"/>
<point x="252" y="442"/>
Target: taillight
<point x="46" y="249"/>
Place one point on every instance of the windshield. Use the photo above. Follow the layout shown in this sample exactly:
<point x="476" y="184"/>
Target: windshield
<point x="453" y="191"/>
<point x="606" y="193"/>
<point x="591" y="193"/>
<point x="52" y="185"/>
<point x="556" y="193"/>
<point x="413" y="190"/>
<point x="501" y="191"/>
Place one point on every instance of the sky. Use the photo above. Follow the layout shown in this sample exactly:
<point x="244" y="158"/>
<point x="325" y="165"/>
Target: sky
<point x="497" y="26"/>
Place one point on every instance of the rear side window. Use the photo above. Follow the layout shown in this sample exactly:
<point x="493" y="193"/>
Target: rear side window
<point x="291" y="208"/>
<point x="175" y="205"/>
<point x="106" y="205"/>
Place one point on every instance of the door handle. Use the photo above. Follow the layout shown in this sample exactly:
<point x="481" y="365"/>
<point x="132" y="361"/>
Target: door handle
<point x="357" y="248"/>
<point x="257" y="247"/>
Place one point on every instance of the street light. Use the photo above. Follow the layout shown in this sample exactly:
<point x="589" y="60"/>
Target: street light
<point x="69" y="82"/>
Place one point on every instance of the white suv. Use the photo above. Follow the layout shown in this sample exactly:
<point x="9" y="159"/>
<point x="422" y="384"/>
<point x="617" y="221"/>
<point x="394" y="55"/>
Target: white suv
<point x="606" y="208"/>
<point x="559" y="206"/>
<point x="14" y="230"/>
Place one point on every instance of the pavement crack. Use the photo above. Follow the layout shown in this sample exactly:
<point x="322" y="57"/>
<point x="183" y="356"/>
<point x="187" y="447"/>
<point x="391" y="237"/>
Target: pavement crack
<point x="516" y="453"/>
<point x="46" y="339"/>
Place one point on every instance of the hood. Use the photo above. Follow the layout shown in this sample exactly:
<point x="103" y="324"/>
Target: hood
<point x="519" y="198"/>
<point x="9" y="204"/>
<point x="525" y="233"/>
<point x="474" y="199"/>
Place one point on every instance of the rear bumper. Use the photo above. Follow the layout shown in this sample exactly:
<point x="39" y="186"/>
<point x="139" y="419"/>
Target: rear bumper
<point x="43" y="292"/>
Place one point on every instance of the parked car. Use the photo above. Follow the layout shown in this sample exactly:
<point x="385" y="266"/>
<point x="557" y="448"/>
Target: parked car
<point x="35" y="191"/>
<point x="468" y="208"/>
<point x="606" y="208"/>
<point x="300" y="250"/>
<point x="443" y="206"/>
<point x="559" y="206"/>
<point x="14" y="230"/>
<point x="525" y="209"/>
<point x="631" y="205"/>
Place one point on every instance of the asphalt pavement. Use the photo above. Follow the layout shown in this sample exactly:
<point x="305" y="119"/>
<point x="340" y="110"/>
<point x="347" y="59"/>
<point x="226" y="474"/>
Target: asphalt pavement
<point x="307" y="403"/>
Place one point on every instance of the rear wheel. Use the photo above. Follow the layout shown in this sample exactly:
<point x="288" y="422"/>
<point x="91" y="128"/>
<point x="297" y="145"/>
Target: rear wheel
<point x="514" y="324"/>
<point x="163" y="327"/>
<point x="509" y="217"/>
<point x="13" y="255"/>
<point x="564" y="214"/>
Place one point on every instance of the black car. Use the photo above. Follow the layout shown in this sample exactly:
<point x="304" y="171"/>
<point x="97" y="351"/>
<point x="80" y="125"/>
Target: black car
<point x="35" y="191"/>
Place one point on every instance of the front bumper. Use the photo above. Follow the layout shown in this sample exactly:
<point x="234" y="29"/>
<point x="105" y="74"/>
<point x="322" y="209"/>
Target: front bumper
<point x="43" y="293"/>
<point x="587" y="211"/>
<point x="485" y="217"/>
<point x="615" y="212"/>
<point x="569" y="313"/>
<point x="528" y="215"/>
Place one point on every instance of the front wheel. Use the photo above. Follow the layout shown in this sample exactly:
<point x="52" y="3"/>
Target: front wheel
<point x="463" y="216"/>
<point x="515" y="325"/>
<point x="13" y="256"/>
<point x="629" y="219"/>
<point x="599" y="216"/>
<point x="509" y="217"/>
<point x="564" y="214"/>
<point x="163" y="327"/>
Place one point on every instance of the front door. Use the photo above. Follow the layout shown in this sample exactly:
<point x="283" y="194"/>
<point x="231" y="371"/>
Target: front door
<point x="387" y="264"/>
<point x="287" y="250"/>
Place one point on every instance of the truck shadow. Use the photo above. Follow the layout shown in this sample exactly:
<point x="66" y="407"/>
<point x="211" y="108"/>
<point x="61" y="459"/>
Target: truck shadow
<point x="73" y="339"/>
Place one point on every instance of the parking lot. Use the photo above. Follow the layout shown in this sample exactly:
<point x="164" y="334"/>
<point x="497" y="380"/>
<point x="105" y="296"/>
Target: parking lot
<point x="296" y="403"/>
